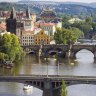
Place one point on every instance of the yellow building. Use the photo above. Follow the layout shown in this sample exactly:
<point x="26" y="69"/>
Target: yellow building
<point x="41" y="38"/>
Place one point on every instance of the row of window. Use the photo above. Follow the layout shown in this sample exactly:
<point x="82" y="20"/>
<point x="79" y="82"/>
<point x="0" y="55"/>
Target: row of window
<point x="28" y="40"/>
<point x="27" y="37"/>
<point x="47" y="28"/>
<point x="41" y="40"/>
<point x="27" y="43"/>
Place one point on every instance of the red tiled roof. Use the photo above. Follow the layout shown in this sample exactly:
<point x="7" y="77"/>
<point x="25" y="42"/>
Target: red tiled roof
<point x="44" y="24"/>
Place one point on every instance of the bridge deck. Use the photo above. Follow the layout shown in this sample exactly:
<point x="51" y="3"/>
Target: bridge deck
<point x="52" y="77"/>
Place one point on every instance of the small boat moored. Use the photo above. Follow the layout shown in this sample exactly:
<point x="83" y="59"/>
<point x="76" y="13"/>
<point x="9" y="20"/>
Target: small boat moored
<point x="8" y="64"/>
<point x="27" y="87"/>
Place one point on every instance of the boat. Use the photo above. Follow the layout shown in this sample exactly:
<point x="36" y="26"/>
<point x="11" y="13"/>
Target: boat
<point x="27" y="87"/>
<point x="8" y="64"/>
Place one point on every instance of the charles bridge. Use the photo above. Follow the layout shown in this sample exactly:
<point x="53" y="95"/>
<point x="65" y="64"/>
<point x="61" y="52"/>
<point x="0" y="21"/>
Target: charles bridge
<point x="51" y="84"/>
<point x="59" y="50"/>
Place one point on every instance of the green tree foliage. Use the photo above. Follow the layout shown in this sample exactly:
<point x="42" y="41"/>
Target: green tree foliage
<point x="10" y="48"/>
<point x="65" y="22"/>
<point x="89" y="20"/>
<point x="85" y="26"/>
<point x="64" y="36"/>
<point x="63" y="89"/>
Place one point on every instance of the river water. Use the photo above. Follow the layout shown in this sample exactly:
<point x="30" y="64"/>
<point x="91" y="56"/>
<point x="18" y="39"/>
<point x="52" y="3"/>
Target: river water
<point x="83" y="65"/>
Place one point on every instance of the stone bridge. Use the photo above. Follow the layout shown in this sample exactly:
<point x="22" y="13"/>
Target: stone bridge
<point x="59" y="50"/>
<point x="50" y="85"/>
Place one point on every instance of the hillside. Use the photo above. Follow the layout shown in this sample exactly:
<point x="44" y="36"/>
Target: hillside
<point x="75" y="9"/>
<point x="60" y="8"/>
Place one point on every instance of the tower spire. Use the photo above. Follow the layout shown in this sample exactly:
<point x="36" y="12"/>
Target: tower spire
<point x="28" y="13"/>
<point x="13" y="13"/>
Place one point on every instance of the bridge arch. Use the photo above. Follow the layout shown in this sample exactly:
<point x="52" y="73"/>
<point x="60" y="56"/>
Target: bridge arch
<point x="36" y="84"/>
<point x="54" y="51"/>
<point x="33" y="52"/>
<point x="76" y="52"/>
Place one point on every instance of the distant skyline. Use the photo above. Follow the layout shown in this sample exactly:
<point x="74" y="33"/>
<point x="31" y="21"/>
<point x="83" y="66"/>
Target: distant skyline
<point x="84" y="1"/>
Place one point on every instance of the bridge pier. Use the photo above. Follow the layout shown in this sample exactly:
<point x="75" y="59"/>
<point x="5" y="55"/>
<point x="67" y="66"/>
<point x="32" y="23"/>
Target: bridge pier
<point x="95" y="55"/>
<point x="71" y="55"/>
<point x="48" y="91"/>
<point x="68" y="54"/>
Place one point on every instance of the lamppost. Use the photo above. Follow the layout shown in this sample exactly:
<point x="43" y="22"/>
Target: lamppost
<point x="47" y="65"/>
<point x="47" y="69"/>
<point x="58" y="68"/>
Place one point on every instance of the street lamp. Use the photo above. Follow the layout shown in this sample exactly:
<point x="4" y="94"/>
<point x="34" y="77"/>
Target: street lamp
<point x="58" y="68"/>
<point x="47" y="65"/>
<point x="47" y="69"/>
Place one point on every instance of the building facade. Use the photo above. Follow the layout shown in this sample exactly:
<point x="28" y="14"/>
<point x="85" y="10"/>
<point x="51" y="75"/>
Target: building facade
<point x="22" y="27"/>
<point x="41" y="38"/>
<point x="27" y="38"/>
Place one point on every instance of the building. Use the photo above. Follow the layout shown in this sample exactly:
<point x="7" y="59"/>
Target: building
<point x="2" y="27"/>
<point x="57" y="22"/>
<point x="49" y="22"/>
<point x="27" y="38"/>
<point x="11" y="22"/>
<point x="73" y="20"/>
<point x="22" y="27"/>
<point x="48" y="27"/>
<point x="47" y="15"/>
<point x="41" y="38"/>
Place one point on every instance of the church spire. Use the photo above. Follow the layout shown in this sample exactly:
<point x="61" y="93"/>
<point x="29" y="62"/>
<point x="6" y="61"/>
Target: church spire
<point x="28" y="13"/>
<point x="13" y="13"/>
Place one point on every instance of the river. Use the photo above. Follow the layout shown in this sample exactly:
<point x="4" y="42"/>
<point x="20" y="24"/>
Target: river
<point x="83" y="65"/>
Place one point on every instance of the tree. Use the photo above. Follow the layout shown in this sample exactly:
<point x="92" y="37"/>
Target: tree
<point x="64" y="36"/>
<point x="9" y="45"/>
<point x="58" y="36"/>
<point x="63" y="89"/>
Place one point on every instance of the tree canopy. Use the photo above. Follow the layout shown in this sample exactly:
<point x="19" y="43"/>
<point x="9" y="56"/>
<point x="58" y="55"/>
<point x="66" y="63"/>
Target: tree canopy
<point x="64" y="36"/>
<point x="84" y="25"/>
<point x="10" y="48"/>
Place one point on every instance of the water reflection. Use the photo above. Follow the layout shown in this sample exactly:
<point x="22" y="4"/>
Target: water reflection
<point x="84" y="64"/>
<point x="82" y="90"/>
<point x="16" y="89"/>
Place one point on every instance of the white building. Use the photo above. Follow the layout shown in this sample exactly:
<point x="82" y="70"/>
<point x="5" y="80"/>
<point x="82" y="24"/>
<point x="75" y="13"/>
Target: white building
<point x="27" y="38"/>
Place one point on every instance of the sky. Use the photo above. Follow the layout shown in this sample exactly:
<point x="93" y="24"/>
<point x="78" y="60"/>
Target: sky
<point x="84" y="1"/>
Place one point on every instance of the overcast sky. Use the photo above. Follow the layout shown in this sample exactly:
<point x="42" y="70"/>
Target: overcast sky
<point x="85" y="1"/>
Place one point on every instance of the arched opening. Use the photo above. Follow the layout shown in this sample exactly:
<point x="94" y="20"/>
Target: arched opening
<point x="81" y="90"/>
<point x="16" y="89"/>
<point x="84" y="53"/>
<point x="32" y="52"/>
<point x="54" y="52"/>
